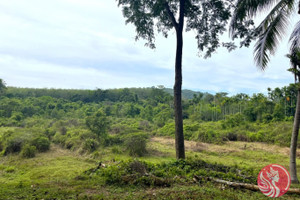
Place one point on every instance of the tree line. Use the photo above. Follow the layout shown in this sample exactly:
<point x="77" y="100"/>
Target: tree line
<point x="152" y="104"/>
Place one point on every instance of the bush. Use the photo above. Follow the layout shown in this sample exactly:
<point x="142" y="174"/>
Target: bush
<point x="49" y="132"/>
<point x="72" y="143"/>
<point x="208" y="136"/>
<point x="59" y="139"/>
<point x="28" y="151"/>
<point x="167" y="130"/>
<point x="233" y="120"/>
<point x="232" y="136"/>
<point x="42" y="144"/>
<point x="136" y="144"/>
<point x="90" y="145"/>
<point x="164" y="174"/>
<point x="13" y="145"/>
<point x="112" y="140"/>
<point x="116" y="150"/>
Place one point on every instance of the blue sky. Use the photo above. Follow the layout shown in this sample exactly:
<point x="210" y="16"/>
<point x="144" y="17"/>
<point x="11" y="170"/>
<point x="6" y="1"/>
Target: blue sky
<point x="85" y="44"/>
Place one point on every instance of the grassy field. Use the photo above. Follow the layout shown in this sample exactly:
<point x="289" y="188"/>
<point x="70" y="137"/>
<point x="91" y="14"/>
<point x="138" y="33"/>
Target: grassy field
<point x="59" y="173"/>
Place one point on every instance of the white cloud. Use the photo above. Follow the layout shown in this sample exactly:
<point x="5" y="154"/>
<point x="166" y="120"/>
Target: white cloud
<point x="86" y="44"/>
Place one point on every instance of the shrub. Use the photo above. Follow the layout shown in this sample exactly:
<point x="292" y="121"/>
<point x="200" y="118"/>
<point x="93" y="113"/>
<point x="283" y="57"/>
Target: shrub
<point x="28" y="151"/>
<point x="208" y="136"/>
<point x="72" y="143"/>
<point x="49" y="132"/>
<point x="189" y="130"/>
<point x="63" y="130"/>
<point x="233" y="121"/>
<point x="164" y="174"/>
<point x="112" y="140"/>
<point x="90" y="145"/>
<point x="42" y="144"/>
<point x="13" y="145"/>
<point x="232" y="136"/>
<point x="136" y="144"/>
<point x="116" y="150"/>
<point x="268" y="117"/>
<point x="10" y="169"/>
<point x="167" y="130"/>
<point x="59" y="139"/>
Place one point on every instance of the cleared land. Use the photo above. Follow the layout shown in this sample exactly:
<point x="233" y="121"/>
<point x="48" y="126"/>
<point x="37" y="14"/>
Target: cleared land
<point x="57" y="174"/>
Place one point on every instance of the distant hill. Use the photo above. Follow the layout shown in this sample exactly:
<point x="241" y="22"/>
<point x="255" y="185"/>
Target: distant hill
<point x="186" y="94"/>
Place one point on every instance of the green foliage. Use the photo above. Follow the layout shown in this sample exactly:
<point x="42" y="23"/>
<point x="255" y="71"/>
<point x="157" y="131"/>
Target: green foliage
<point x="147" y="16"/>
<point x="28" y="122"/>
<point x="233" y="121"/>
<point x="13" y="145"/>
<point x="98" y="123"/>
<point x="164" y="174"/>
<point x="28" y="151"/>
<point x="90" y="145"/>
<point x="167" y="130"/>
<point x="278" y="114"/>
<point x="2" y="87"/>
<point x="42" y="144"/>
<point x="136" y="144"/>
<point x="112" y="140"/>
<point x="15" y="139"/>
<point x="31" y="107"/>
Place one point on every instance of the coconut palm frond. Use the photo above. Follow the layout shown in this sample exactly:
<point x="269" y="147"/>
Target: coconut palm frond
<point x="248" y="9"/>
<point x="293" y="61"/>
<point x="285" y="6"/>
<point x="294" y="55"/>
<point x="295" y="40"/>
<point x="272" y="29"/>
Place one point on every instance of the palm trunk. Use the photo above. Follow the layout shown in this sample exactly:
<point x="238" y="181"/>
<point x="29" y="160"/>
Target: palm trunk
<point x="294" y="139"/>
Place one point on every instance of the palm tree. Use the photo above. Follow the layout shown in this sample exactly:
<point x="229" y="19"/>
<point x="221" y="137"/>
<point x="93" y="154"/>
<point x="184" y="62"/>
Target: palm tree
<point x="269" y="33"/>
<point x="295" y="69"/>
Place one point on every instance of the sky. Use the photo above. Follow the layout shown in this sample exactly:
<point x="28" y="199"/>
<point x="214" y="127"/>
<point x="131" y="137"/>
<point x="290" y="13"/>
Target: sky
<point x="85" y="44"/>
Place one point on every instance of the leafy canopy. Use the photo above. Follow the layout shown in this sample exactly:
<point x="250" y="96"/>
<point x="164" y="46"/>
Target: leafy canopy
<point x="206" y="18"/>
<point x="98" y="123"/>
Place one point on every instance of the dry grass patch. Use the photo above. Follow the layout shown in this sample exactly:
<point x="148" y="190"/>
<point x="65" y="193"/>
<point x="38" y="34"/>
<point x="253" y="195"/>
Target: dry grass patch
<point x="197" y="146"/>
<point x="228" y="147"/>
<point x="258" y="146"/>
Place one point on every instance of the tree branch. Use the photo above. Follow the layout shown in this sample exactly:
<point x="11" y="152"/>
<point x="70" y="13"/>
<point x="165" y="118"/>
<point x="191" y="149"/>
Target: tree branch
<point x="239" y="185"/>
<point x="171" y="15"/>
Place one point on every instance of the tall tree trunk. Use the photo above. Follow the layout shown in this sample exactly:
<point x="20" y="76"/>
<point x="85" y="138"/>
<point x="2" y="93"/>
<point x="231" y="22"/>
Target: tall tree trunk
<point x="179" y="138"/>
<point x="294" y="139"/>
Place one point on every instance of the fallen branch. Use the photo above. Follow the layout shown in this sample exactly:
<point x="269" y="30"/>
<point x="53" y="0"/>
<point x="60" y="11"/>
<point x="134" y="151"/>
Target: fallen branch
<point x="239" y="185"/>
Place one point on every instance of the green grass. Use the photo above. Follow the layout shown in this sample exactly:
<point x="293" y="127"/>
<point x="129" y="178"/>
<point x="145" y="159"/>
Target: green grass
<point x="59" y="173"/>
<point x="233" y="156"/>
